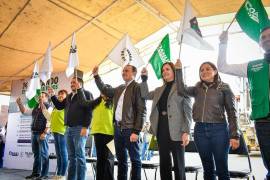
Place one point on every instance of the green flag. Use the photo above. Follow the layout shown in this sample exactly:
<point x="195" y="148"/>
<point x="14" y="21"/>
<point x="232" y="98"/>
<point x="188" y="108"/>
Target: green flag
<point x="252" y="18"/>
<point x="33" y="102"/>
<point x="33" y="90"/>
<point x="161" y="55"/>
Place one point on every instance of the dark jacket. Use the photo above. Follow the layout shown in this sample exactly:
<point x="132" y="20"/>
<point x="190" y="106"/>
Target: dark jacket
<point x="134" y="109"/>
<point x="211" y="102"/>
<point x="39" y="121"/>
<point x="90" y="104"/>
<point x="75" y="113"/>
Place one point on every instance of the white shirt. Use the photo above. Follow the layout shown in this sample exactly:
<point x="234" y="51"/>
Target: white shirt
<point x="119" y="108"/>
<point x="232" y="69"/>
<point x="72" y="95"/>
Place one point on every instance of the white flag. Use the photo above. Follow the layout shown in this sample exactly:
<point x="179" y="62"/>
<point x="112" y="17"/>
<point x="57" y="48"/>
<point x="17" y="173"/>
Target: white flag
<point x="46" y="67"/>
<point x="73" y="60"/>
<point x="33" y="89"/>
<point x="189" y="30"/>
<point x="125" y="53"/>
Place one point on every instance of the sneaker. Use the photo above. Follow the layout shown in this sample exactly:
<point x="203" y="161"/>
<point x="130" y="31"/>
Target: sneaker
<point x="59" y="177"/>
<point x="42" y="178"/>
<point x="55" y="177"/>
<point x="32" y="176"/>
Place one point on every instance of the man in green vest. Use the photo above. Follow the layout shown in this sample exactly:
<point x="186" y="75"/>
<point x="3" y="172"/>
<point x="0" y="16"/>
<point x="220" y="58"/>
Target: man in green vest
<point x="258" y="75"/>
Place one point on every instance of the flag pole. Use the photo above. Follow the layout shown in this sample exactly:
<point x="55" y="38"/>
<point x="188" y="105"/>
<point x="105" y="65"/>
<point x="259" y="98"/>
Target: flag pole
<point x="179" y="57"/>
<point x="145" y="68"/>
<point x="181" y="27"/>
<point x="231" y="23"/>
<point x="76" y="77"/>
<point x="180" y="44"/>
<point x="147" y="64"/>
<point x="50" y="83"/>
<point x="235" y="16"/>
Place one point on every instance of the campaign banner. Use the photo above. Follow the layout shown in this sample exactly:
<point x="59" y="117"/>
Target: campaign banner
<point x="18" y="149"/>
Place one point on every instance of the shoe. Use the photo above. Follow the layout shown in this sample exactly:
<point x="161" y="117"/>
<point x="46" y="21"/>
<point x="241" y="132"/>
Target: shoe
<point x="42" y="178"/>
<point x="55" y="177"/>
<point x="32" y="176"/>
<point x="61" y="177"/>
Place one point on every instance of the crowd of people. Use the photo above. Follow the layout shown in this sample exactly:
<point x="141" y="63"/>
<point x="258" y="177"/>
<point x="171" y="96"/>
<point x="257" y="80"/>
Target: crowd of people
<point x="119" y="114"/>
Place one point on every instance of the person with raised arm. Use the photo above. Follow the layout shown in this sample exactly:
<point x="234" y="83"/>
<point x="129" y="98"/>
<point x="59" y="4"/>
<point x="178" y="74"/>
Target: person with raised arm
<point x="129" y="115"/>
<point x="214" y="132"/>
<point x="257" y="72"/>
<point x="170" y="121"/>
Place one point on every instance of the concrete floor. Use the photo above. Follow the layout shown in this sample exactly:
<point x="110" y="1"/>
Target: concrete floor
<point x="235" y="162"/>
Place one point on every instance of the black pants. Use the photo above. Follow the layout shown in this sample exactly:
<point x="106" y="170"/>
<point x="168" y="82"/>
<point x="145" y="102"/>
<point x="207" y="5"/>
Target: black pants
<point x="166" y="147"/>
<point x="263" y="135"/>
<point x="105" y="159"/>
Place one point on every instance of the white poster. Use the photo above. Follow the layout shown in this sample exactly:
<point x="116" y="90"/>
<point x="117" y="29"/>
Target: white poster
<point x="18" y="151"/>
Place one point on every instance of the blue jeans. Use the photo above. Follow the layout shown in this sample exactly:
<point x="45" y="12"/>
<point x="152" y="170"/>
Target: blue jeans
<point x="40" y="149"/>
<point x="263" y="135"/>
<point x="146" y="154"/>
<point x="122" y="146"/>
<point x="212" y="142"/>
<point x="61" y="153"/>
<point x="76" y="153"/>
<point x="2" y="150"/>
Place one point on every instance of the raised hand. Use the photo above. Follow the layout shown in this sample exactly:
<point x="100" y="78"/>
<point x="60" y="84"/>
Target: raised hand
<point x="144" y="71"/>
<point x="223" y="38"/>
<point x="50" y="91"/>
<point x="178" y="64"/>
<point x="19" y="101"/>
<point x="95" y="71"/>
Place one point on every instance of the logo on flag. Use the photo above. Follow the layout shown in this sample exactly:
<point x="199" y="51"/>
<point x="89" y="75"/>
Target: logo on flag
<point x="73" y="59"/>
<point x="189" y="31"/>
<point x="161" y="55"/>
<point x="252" y="12"/>
<point x="252" y="18"/>
<point x="124" y="53"/>
<point x="73" y="49"/>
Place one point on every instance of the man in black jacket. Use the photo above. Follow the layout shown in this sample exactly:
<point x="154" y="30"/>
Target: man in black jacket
<point x="77" y="120"/>
<point x="129" y="116"/>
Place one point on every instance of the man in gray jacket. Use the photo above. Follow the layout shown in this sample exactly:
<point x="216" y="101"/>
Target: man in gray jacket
<point x="129" y="116"/>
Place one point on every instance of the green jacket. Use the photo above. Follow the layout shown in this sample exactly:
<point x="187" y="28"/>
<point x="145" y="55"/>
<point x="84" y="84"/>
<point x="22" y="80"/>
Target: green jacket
<point x="102" y="121"/>
<point x="258" y="77"/>
<point x="57" y="121"/>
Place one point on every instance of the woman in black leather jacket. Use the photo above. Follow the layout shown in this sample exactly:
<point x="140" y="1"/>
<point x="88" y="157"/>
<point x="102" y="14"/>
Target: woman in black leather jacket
<point x="213" y="133"/>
